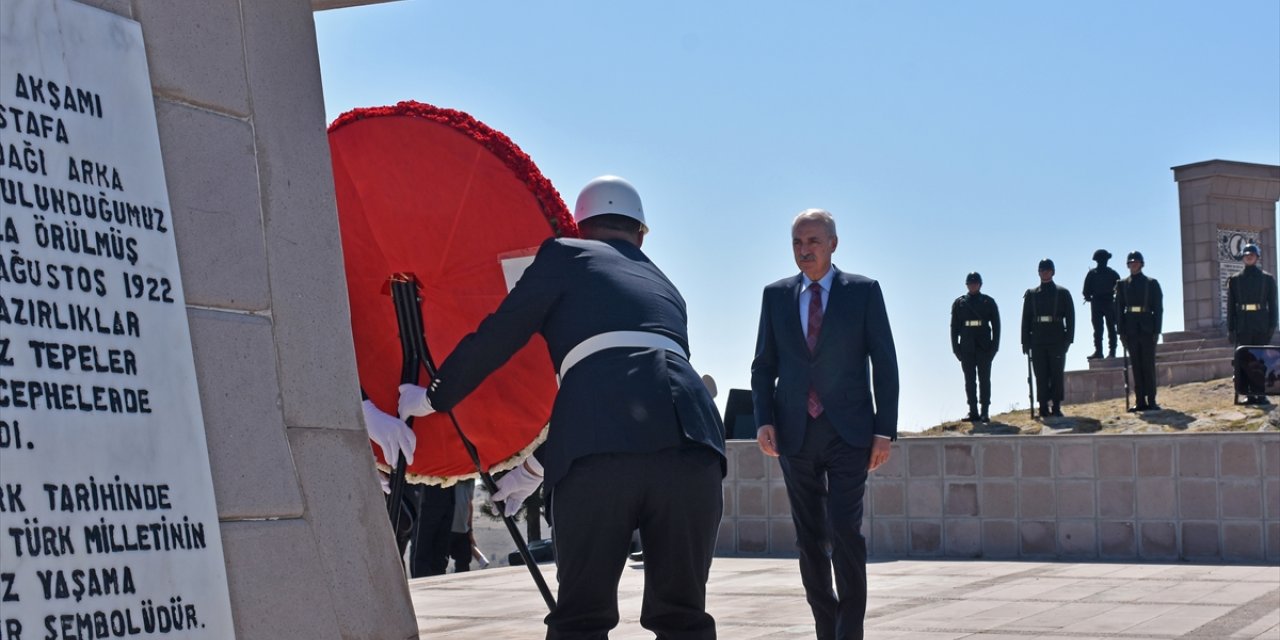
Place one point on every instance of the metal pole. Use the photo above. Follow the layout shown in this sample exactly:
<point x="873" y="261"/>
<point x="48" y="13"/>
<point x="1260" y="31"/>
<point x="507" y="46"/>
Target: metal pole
<point x="406" y="288"/>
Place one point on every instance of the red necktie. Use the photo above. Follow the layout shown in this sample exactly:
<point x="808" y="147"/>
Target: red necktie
<point x="811" y="336"/>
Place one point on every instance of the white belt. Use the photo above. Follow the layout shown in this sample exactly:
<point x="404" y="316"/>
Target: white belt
<point x="613" y="339"/>
<point x="1135" y="309"/>
<point x="1250" y="307"/>
<point x="1044" y="318"/>
<point x="973" y="323"/>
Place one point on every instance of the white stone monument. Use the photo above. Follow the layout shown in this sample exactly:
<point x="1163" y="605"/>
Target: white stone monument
<point x="108" y="526"/>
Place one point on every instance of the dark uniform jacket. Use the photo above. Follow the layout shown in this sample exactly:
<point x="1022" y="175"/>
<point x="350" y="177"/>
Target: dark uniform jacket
<point x="1139" y="306"/>
<point x="1100" y="284"/>
<point x="616" y="400"/>
<point x="854" y="355"/>
<point x="1251" y="301"/>
<point x="1048" y="319"/>
<point x="975" y="324"/>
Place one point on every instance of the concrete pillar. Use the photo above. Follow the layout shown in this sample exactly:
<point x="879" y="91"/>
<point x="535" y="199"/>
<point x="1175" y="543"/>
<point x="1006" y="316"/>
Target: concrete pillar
<point x="1223" y="205"/>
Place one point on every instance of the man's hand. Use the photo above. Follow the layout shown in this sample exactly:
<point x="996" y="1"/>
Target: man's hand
<point x="767" y="436"/>
<point x="518" y="485"/>
<point x="392" y="436"/>
<point x="880" y="448"/>
<point x="414" y="402"/>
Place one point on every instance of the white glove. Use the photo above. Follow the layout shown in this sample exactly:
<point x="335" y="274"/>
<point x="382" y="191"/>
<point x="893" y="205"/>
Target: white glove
<point x="385" y="482"/>
<point x="514" y="487"/>
<point x="392" y="436"/>
<point x="414" y="402"/>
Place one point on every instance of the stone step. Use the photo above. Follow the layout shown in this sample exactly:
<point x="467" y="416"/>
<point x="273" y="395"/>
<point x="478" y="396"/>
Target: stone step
<point x="1164" y="355"/>
<point x="1103" y="384"/>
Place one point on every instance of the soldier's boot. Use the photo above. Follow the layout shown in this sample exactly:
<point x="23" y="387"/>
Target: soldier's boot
<point x="1097" y="349"/>
<point x="1111" y="353"/>
<point x="973" y="413"/>
<point x="984" y="417"/>
<point x="1057" y="409"/>
<point x="1044" y="409"/>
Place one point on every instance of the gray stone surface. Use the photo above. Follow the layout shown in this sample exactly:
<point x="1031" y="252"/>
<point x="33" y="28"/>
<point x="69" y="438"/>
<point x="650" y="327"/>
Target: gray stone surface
<point x="240" y="401"/>
<point x="351" y="532"/>
<point x="299" y="213"/>
<point x="217" y="217"/>
<point x="195" y="53"/>
<point x="279" y="603"/>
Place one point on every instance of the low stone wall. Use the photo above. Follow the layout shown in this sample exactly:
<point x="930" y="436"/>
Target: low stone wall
<point x="1102" y="497"/>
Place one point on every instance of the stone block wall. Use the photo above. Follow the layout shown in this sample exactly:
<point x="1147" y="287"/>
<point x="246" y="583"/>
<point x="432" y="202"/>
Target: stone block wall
<point x="1114" y="497"/>
<point x="238" y="101"/>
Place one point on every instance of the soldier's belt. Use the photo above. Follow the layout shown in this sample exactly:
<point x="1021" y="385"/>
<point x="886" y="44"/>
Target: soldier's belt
<point x="614" y="339"/>
<point x="1044" y="318"/>
<point x="973" y="323"/>
<point x="1134" y="309"/>
<point x="1251" y="307"/>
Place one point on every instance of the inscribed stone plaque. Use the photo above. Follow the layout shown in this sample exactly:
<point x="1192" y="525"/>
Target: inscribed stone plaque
<point x="108" y="526"/>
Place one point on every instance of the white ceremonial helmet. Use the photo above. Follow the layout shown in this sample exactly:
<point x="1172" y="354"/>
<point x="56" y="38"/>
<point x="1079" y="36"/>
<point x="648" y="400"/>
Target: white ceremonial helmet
<point x="609" y="194"/>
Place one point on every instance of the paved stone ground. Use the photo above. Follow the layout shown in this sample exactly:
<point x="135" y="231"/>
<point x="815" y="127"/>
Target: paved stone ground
<point x="910" y="599"/>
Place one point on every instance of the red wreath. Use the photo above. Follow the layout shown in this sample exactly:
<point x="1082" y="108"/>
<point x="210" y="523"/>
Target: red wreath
<point x="437" y="194"/>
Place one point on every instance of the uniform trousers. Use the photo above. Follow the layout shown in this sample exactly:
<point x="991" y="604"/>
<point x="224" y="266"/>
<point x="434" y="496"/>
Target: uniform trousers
<point x="1142" y="359"/>
<point x="977" y="375"/>
<point x="1103" y="314"/>
<point x="826" y="481"/>
<point x="674" y="498"/>
<point x="1049" y="363"/>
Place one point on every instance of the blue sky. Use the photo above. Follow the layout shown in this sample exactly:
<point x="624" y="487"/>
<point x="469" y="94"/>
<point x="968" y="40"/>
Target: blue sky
<point x="946" y="137"/>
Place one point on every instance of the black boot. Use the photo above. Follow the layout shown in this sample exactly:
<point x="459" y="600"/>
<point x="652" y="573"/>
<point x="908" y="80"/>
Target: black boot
<point x="1057" y="409"/>
<point x="973" y="413"/>
<point x="1111" y="352"/>
<point x="984" y="417"/>
<point x="1044" y="409"/>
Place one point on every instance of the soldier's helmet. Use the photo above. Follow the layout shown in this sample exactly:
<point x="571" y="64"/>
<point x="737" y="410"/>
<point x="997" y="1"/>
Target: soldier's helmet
<point x="1101" y="254"/>
<point x="1046" y="265"/>
<point x="973" y="278"/>
<point x="1135" y="256"/>
<point x="1252" y="248"/>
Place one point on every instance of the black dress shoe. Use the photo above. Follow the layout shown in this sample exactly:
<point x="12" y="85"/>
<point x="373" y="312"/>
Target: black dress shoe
<point x="1096" y="355"/>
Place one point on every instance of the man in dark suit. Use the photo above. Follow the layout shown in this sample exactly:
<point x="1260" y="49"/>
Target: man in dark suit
<point x="634" y="439"/>
<point x="1140" y="307"/>
<point x="975" y="339"/>
<point x="1048" y="328"/>
<point x="824" y="383"/>
<point x="1252" y="310"/>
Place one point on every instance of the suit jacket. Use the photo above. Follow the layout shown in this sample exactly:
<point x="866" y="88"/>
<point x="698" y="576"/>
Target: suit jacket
<point x="854" y="368"/>
<point x="616" y="400"/>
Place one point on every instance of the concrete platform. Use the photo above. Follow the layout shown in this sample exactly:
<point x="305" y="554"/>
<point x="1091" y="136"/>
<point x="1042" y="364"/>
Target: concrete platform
<point x="910" y="599"/>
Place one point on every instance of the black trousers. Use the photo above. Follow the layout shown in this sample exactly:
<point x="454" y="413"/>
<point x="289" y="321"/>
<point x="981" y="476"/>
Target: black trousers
<point x="1049" y="363"/>
<point x="1142" y="360"/>
<point x="430" y="553"/>
<point x="826" y="481"/>
<point x="460" y="551"/>
<point x="1103" y="314"/>
<point x="674" y="498"/>
<point x="977" y="375"/>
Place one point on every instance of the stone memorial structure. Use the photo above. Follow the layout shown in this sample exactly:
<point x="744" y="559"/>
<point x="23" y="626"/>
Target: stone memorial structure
<point x="200" y="351"/>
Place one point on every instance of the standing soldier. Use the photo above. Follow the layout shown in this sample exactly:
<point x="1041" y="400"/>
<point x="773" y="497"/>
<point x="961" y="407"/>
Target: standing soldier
<point x="1099" y="286"/>
<point x="1251" y="307"/>
<point x="1140" y="305"/>
<point x="1048" y="328"/>
<point x="975" y="338"/>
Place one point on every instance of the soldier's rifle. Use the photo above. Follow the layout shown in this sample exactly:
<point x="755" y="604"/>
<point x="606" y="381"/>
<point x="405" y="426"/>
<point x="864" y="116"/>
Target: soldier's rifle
<point x="1031" y="397"/>
<point x="1125" y="350"/>
<point x="404" y="293"/>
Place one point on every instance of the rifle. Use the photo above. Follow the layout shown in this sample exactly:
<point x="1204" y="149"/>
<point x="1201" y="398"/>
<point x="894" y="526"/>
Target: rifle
<point x="404" y="293"/>
<point x="1125" y="351"/>
<point x="1031" y="397"/>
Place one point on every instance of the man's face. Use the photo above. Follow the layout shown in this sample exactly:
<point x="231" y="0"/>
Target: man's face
<point x="1135" y="266"/>
<point x="974" y="288"/>
<point x="1046" y="275"/>
<point x="1250" y="259"/>
<point x="813" y="246"/>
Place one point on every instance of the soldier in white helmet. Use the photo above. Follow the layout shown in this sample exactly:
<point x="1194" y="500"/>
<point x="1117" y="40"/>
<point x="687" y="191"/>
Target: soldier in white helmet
<point x="634" y="440"/>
